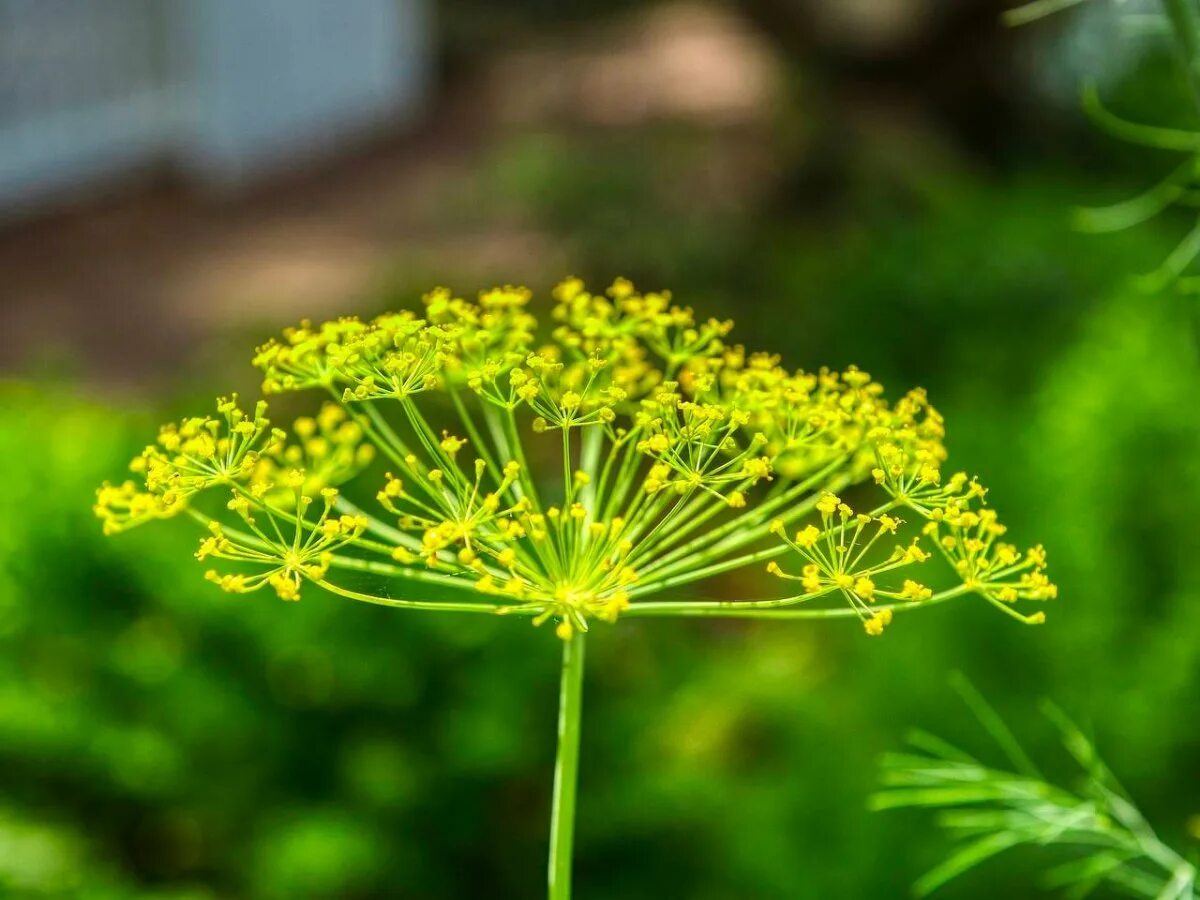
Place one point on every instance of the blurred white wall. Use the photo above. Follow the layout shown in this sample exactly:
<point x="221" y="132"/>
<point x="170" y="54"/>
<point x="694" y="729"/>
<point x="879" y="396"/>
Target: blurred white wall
<point x="228" y="90"/>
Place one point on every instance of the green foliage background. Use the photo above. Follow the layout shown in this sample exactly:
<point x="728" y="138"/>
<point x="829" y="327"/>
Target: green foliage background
<point x="159" y="739"/>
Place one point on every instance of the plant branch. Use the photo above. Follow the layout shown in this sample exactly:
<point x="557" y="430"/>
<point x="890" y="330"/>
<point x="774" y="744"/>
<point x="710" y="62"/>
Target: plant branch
<point x="432" y="605"/>
<point x="777" y="609"/>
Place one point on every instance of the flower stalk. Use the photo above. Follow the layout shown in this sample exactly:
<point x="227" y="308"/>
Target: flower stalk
<point x="566" y="767"/>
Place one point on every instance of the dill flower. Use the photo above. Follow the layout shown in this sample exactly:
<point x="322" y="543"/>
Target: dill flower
<point x="681" y="454"/>
<point x="575" y="472"/>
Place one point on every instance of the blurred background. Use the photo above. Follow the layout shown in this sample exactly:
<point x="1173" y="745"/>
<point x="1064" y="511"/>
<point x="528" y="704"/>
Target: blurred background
<point x="885" y="182"/>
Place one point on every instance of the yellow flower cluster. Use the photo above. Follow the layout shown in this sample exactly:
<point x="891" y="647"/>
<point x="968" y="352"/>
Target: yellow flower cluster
<point x="968" y="539"/>
<point x="265" y="472"/>
<point x="188" y="457"/>
<point x="564" y="475"/>
<point x="839" y="558"/>
<point x="278" y="561"/>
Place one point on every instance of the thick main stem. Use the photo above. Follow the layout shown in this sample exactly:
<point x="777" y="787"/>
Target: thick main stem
<point x="566" y="768"/>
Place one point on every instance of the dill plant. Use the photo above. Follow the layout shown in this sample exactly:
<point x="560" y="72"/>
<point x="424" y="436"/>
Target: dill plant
<point x="1180" y="19"/>
<point x="579" y="474"/>
<point x="1095" y="825"/>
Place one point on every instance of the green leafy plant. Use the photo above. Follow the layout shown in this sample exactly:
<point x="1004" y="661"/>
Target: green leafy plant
<point x="571" y="476"/>
<point x="1181" y="18"/>
<point x="991" y="810"/>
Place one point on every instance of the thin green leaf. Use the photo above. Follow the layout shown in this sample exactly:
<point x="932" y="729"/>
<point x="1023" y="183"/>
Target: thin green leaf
<point x="1091" y="869"/>
<point x="1134" y="211"/>
<point x="1180" y="258"/>
<point x="1180" y="885"/>
<point x="994" y="725"/>
<point x="948" y="796"/>
<point x="1134" y="132"/>
<point x="1037" y="9"/>
<point x="964" y="860"/>
<point x="1137" y="882"/>
<point x="936" y="746"/>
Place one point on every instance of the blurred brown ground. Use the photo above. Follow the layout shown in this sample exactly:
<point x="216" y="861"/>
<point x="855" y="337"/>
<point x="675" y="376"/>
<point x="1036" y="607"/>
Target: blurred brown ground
<point x="126" y="285"/>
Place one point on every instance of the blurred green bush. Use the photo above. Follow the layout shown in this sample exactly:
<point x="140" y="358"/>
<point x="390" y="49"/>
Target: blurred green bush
<point x="160" y="739"/>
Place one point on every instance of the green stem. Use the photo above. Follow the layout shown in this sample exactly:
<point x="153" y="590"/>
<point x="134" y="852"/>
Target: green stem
<point x="777" y="609"/>
<point x="433" y="605"/>
<point x="696" y="574"/>
<point x="566" y="769"/>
